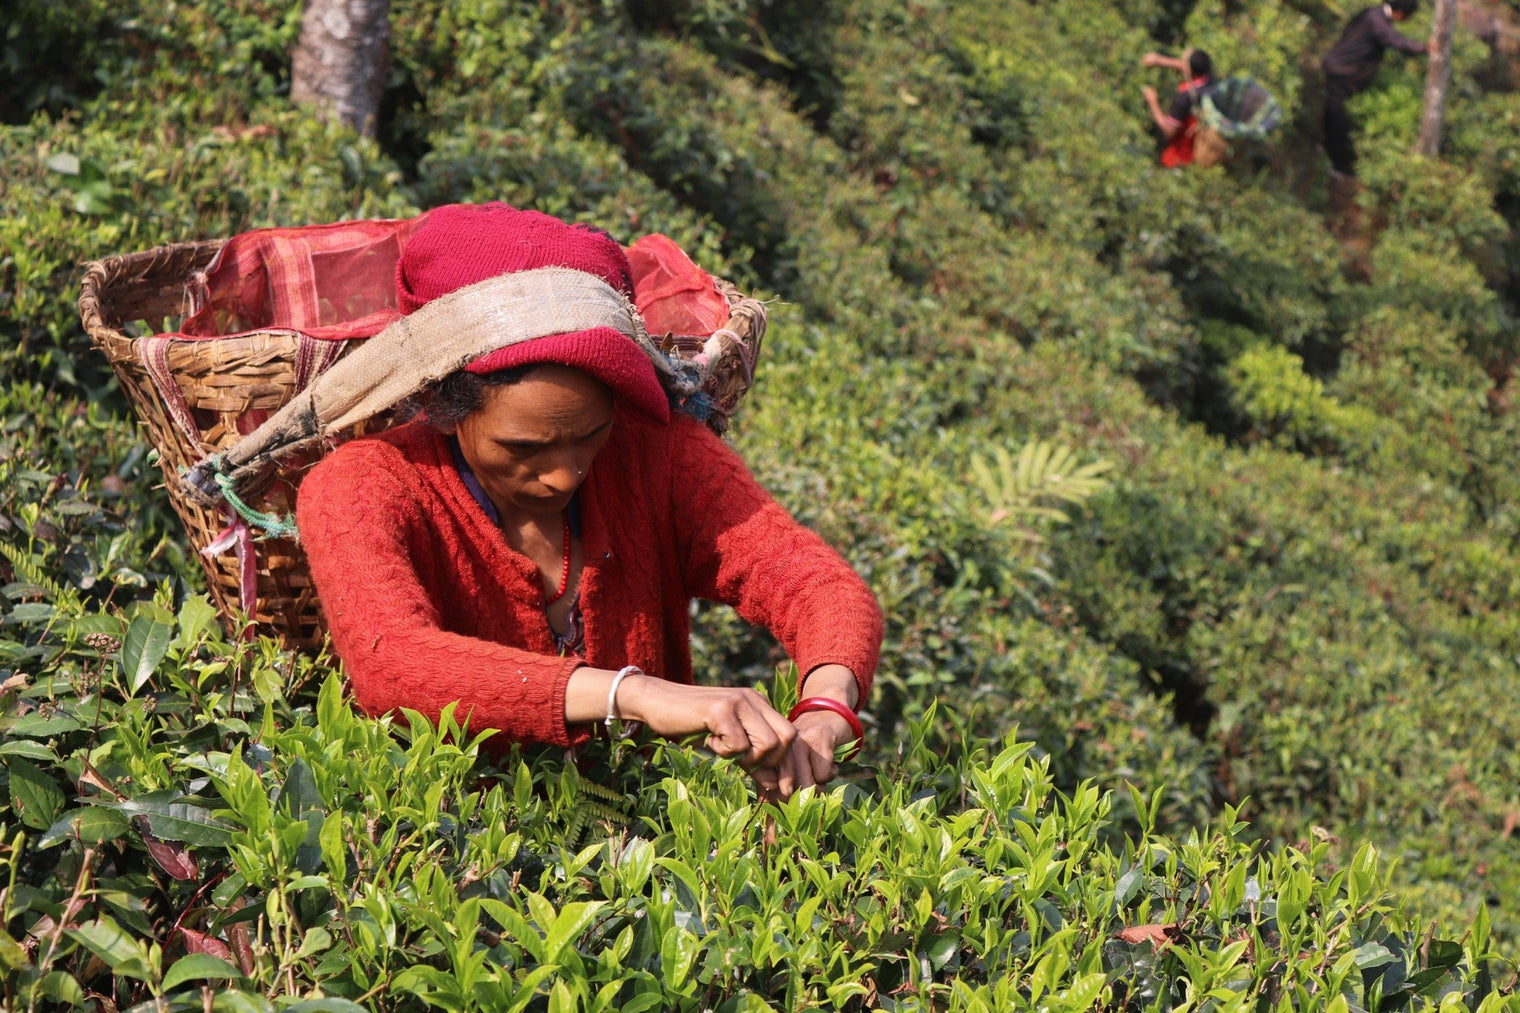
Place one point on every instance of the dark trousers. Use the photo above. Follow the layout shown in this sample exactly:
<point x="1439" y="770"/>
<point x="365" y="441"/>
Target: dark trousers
<point x="1338" y="124"/>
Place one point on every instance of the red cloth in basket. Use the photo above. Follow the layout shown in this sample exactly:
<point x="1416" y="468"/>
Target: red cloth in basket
<point x="338" y="282"/>
<point x="333" y="282"/>
<point x="674" y="295"/>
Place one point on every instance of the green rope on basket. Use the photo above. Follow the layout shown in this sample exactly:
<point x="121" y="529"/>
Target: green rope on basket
<point x="273" y="525"/>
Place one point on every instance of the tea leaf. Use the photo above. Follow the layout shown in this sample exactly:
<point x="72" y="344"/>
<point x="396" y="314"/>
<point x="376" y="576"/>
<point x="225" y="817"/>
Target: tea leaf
<point x="63" y="987"/>
<point x="145" y="646"/>
<point x="108" y="941"/>
<point x="327" y="1005"/>
<point x="171" y="820"/>
<point x="12" y="954"/>
<point x="199" y="942"/>
<point x="168" y="856"/>
<point x="91" y="825"/>
<point x="35" y="796"/>
<point x="315" y="941"/>
<point x="196" y="615"/>
<point x="38" y="725"/>
<point x="199" y="967"/>
<point x="1370" y="955"/>
<point x="568" y="925"/>
<point x="677" y="952"/>
<point x="64" y="162"/>
<point x="30" y="612"/>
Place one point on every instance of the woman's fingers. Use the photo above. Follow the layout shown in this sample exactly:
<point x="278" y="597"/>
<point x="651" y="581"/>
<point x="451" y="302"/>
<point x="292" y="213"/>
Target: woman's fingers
<point x="745" y="727"/>
<point x="818" y="758"/>
<point x="821" y="765"/>
<point x="818" y="733"/>
<point x="768" y="781"/>
<point x="738" y="722"/>
<point x="782" y="757"/>
<point x="796" y="771"/>
<point x="810" y="761"/>
<point x="781" y="782"/>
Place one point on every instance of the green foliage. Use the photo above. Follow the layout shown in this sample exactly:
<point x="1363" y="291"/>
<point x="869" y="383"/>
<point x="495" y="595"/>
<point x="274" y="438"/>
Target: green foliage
<point x="1294" y="589"/>
<point x="296" y="851"/>
<point x="1288" y="406"/>
<point x="1285" y="283"/>
<point x="1014" y="487"/>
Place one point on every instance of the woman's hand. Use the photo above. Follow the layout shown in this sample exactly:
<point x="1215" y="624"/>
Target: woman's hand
<point x="738" y="722"/>
<point x="781" y="756"/>
<point x="819" y="733"/>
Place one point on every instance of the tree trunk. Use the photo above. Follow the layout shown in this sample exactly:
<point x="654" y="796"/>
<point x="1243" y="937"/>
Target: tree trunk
<point x="341" y="60"/>
<point x="1437" y="78"/>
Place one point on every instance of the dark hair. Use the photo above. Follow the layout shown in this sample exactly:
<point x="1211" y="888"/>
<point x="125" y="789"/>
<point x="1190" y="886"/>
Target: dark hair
<point x="448" y="401"/>
<point x="1405" y="7"/>
<point x="1199" y="64"/>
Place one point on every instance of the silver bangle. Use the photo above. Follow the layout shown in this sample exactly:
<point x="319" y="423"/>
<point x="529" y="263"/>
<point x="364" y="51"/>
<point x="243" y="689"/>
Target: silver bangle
<point x="612" y="714"/>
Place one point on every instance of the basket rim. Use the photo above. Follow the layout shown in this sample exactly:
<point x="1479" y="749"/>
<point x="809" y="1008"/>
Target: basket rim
<point x="119" y="270"/>
<point x="101" y="276"/>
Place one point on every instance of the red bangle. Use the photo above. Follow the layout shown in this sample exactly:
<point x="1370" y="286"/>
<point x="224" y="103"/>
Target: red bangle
<point x="824" y="703"/>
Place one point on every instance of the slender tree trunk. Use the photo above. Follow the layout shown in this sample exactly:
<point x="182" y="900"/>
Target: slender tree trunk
<point x="341" y="60"/>
<point x="1437" y="78"/>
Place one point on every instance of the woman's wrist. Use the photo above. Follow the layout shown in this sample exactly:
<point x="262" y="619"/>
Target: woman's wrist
<point x="840" y="718"/>
<point x="835" y="682"/>
<point x="631" y="695"/>
<point x="588" y="695"/>
<point x="615" y="715"/>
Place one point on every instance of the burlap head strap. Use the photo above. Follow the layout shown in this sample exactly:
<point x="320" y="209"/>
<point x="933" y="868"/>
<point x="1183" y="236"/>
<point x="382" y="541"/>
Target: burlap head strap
<point x="418" y="350"/>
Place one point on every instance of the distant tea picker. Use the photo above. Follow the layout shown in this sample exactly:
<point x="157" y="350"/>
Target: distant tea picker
<point x="1207" y="114"/>
<point x="1179" y="122"/>
<point x="1351" y="65"/>
<point x="529" y="545"/>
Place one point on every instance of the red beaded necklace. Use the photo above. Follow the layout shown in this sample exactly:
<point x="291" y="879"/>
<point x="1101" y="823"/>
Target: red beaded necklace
<point x="564" y="573"/>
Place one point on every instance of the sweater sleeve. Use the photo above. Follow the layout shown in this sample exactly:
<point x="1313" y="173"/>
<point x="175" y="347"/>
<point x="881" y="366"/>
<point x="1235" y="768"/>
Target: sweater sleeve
<point x="739" y="546"/>
<point x="1392" y="38"/>
<point x="364" y="531"/>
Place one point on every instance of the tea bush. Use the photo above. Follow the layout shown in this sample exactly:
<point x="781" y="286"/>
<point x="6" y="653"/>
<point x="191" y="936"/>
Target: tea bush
<point x="241" y="839"/>
<point x="1293" y="596"/>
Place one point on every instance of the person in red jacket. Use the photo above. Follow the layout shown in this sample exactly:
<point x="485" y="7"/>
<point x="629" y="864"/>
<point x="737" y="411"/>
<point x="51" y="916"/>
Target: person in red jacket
<point x="1178" y="123"/>
<point x="531" y="546"/>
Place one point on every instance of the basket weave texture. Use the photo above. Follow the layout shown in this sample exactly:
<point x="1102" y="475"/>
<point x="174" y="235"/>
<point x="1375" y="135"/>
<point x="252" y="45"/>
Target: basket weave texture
<point x="132" y="303"/>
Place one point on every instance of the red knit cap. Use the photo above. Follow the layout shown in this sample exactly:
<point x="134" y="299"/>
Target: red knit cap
<point x="461" y="244"/>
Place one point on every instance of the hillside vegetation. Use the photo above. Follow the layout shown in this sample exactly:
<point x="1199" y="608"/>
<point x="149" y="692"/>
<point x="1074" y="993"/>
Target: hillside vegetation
<point x="1234" y="731"/>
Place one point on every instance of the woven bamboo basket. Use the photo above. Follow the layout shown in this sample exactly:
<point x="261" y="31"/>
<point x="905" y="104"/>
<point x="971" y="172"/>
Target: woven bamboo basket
<point x="230" y="381"/>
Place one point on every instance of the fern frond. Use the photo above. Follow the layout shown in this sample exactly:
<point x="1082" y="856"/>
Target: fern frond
<point x="589" y="806"/>
<point x="1019" y="488"/>
<point x="29" y="569"/>
<point x="601" y="791"/>
<point x="984" y="477"/>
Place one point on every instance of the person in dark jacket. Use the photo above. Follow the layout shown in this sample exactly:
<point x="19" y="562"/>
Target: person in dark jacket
<point x="1178" y="123"/>
<point x="1350" y="67"/>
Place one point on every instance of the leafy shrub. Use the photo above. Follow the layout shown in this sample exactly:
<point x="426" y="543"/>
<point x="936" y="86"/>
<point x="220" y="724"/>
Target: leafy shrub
<point x="968" y="248"/>
<point x="1284" y="404"/>
<point x="281" y="847"/>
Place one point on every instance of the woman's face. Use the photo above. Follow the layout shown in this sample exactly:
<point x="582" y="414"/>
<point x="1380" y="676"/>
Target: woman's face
<point x="531" y="443"/>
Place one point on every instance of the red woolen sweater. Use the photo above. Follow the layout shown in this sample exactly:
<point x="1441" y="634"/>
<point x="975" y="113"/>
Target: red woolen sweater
<point x="427" y="604"/>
